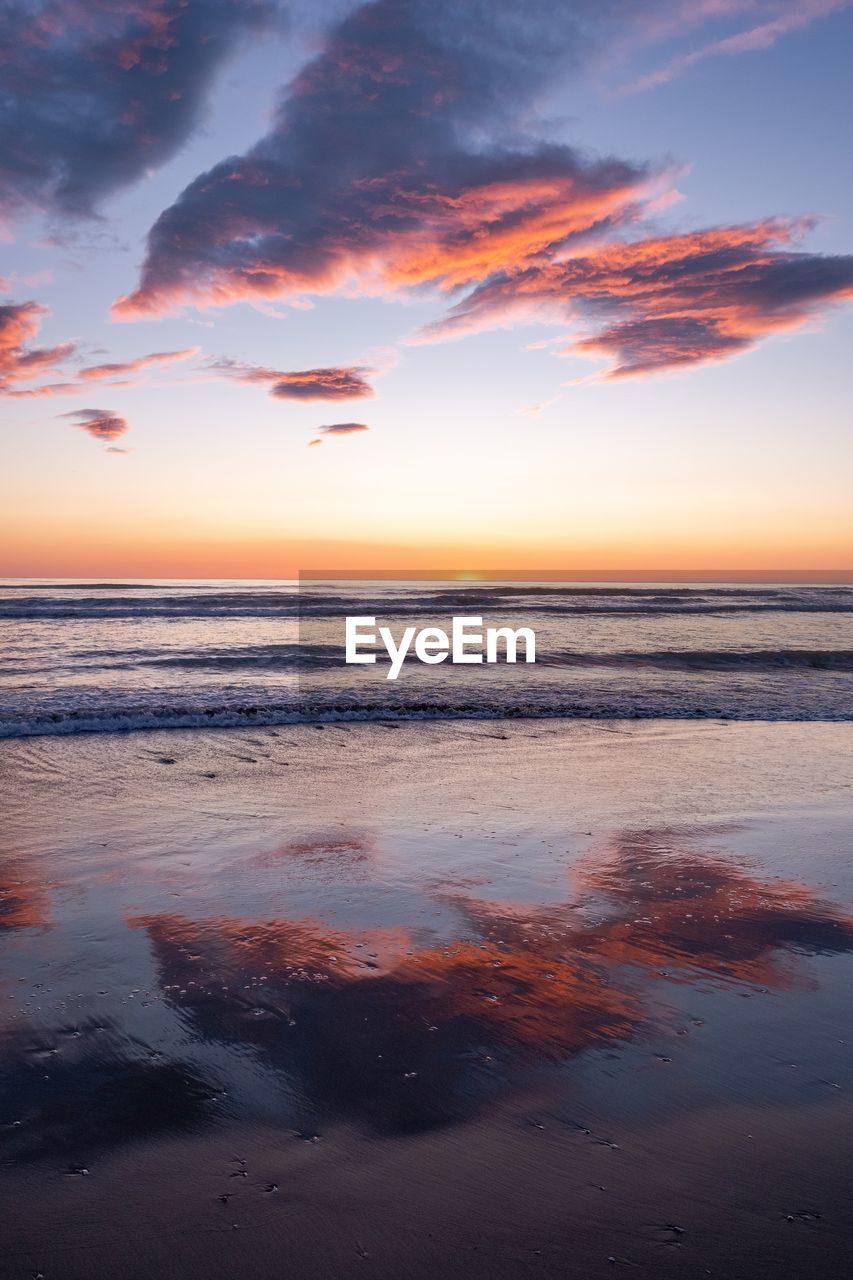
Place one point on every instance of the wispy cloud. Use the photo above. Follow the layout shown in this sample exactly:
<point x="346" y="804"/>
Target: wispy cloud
<point x="20" y="362"/>
<point x="344" y="382"/>
<point x="343" y="429"/>
<point x="44" y="391"/>
<point x="97" y="371"/>
<point x="793" y="17"/>
<point x="339" y="429"/>
<point x="533" y="410"/>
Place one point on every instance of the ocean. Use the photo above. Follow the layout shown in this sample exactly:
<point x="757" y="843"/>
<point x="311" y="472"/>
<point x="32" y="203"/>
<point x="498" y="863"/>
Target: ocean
<point x="400" y="988"/>
<point x="106" y="657"/>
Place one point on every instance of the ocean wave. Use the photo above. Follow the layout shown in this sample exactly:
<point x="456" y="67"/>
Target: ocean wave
<point x="127" y="720"/>
<point x="708" y="659"/>
<point x="295" y="658"/>
<point x="181" y="656"/>
<point x="260" y="657"/>
<point x="62" y="585"/>
<point x="285" y="607"/>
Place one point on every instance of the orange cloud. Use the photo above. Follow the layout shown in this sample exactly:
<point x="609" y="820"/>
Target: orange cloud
<point x="19" y="323"/>
<point x="669" y="301"/>
<point x="399" y="233"/>
<point x="410" y="107"/>
<point x="411" y="110"/>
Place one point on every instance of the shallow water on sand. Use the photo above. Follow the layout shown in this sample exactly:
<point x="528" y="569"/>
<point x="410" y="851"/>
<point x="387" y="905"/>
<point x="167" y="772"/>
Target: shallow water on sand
<point x="493" y="999"/>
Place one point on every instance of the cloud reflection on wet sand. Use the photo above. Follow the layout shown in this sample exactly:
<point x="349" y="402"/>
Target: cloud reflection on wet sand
<point x="24" y="901"/>
<point x="668" y="907"/>
<point x="374" y="1025"/>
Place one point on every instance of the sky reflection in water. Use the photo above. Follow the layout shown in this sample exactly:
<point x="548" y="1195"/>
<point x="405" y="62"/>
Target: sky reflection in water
<point x="128" y="1026"/>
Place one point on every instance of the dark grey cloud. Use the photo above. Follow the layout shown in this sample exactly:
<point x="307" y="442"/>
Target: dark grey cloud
<point x="95" y="92"/>
<point x="409" y="153"/>
<point x="398" y="157"/>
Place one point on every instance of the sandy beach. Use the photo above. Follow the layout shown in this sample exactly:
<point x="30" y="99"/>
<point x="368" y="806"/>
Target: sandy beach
<point x="426" y="640"/>
<point x="496" y="999"/>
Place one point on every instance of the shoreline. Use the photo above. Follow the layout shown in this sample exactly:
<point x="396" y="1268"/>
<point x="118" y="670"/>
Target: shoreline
<point x="492" y="999"/>
<point x="367" y="717"/>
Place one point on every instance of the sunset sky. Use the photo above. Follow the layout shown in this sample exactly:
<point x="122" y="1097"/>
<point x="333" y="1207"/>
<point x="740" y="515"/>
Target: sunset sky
<point x="557" y="284"/>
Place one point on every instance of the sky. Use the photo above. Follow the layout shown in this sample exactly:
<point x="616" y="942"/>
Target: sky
<point x="321" y="285"/>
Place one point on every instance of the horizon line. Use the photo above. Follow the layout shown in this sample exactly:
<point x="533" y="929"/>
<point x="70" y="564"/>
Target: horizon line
<point x="818" y="577"/>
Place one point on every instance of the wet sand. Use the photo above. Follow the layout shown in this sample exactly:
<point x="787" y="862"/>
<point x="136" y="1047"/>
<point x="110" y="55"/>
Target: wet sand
<point x="501" y="999"/>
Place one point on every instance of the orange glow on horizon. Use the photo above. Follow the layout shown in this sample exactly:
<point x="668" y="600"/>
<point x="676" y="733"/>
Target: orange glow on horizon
<point x="92" y="554"/>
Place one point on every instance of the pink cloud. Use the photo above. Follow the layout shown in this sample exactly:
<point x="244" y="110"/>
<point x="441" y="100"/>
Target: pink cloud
<point x="156" y="358"/>
<point x="19" y="362"/>
<point x="763" y="36"/>
<point x="101" y="424"/>
<point x="48" y="389"/>
<point x="666" y="302"/>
